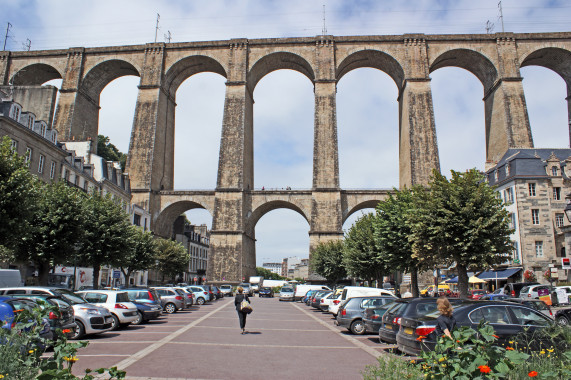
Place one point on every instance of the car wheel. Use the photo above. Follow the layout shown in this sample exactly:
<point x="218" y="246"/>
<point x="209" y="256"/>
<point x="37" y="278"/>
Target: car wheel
<point x="563" y="321"/>
<point x="170" y="308"/>
<point x="79" y="330"/>
<point x="357" y="327"/>
<point x="200" y="301"/>
<point x="139" y="319"/>
<point x="115" y="323"/>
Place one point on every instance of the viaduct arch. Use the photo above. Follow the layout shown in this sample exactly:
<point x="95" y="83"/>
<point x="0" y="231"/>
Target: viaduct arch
<point x="495" y="59"/>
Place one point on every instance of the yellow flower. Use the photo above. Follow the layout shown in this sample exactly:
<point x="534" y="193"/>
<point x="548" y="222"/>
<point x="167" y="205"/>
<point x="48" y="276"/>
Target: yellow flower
<point x="1" y="376"/>
<point x="71" y="359"/>
<point x="548" y="350"/>
<point x="443" y="365"/>
<point x="30" y="352"/>
<point x="441" y="359"/>
<point x="412" y="361"/>
<point x="511" y="342"/>
<point x="542" y="352"/>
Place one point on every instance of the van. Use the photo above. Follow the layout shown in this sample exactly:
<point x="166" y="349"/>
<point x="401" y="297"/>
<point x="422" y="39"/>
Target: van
<point x="10" y="278"/>
<point x="301" y="290"/>
<point x="360" y="291"/>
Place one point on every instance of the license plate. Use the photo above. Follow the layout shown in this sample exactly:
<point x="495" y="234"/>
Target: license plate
<point x="408" y="330"/>
<point x="387" y="326"/>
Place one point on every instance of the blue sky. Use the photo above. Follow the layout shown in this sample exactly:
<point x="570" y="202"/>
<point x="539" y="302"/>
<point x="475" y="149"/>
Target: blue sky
<point x="367" y="109"/>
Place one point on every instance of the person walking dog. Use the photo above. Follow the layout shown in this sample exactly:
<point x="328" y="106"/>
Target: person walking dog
<point x="242" y="314"/>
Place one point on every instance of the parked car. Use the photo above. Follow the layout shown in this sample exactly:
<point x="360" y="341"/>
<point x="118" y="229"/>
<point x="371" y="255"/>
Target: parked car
<point x="286" y="293"/>
<point x="217" y="292"/>
<point x="301" y="290"/>
<point x="373" y="317"/>
<point x="316" y="300"/>
<point x="201" y="295"/>
<point x="171" y="300"/>
<point x="146" y="312"/>
<point x="513" y="289"/>
<point x="507" y="319"/>
<point x="227" y="290"/>
<point x="410" y="308"/>
<point x="266" y="291"/>
<point x="326" y="301"/>
<point x="187" y="295"/>
<point x="122" y="310"/>
<point x="494" y="297"/>
<point x="532" y="291"/>
<point x="563" y="317"/>
<point x="143" y="295"/>
<point x="350" y="315"/>
<point x="60" y="322"/>
<point x="334" y="307"/>
<point x="429" y="290"/>
<point x="567" y="290"/>
<point x="306" y="299"/>
<point x="11" y="307"/>
<point x="211" y="294"/>
<point x="247" y="288"/>
<point x="475" y="294"/>
<point x="90" y="319"/>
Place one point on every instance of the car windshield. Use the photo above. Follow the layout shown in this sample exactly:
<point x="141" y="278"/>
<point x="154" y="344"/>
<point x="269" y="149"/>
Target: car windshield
<point x="288" y="290"/>
<point x="69" y="296"/>
<point x="265" y="289"/>
<point x="537" y="305"/>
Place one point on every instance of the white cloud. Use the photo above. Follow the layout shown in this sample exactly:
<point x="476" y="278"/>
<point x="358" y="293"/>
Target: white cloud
<point x="367" y="109"/>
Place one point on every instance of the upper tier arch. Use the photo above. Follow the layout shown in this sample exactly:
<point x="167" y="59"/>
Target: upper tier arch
<point x="374" y="59"/>
<point x="104" y="73"/>
<point x="187" y="67"/>
<point x="553" y="58"/>
<point x="35" y="74"/>
<point x="278" y="61"/>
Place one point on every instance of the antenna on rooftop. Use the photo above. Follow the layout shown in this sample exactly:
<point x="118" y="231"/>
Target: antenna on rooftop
<point x="7" y="34"/>
<point x="489" y="27"/>
<point x="157" y="27"/>
<point x="168" y="37"/>
<point x="324" y="29"/>
<point x="501" y="15"/>
<point x="27" y="45"/>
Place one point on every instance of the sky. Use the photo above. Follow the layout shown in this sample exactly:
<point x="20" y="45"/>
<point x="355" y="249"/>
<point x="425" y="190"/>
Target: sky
<point x="367" y="107"/>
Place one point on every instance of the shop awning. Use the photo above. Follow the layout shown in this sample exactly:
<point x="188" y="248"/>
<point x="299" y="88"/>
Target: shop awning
<point x="504" y="274"/>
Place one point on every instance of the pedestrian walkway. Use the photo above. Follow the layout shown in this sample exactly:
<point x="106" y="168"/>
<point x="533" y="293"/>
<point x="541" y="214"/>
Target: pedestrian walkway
<point x="284" y="341"/>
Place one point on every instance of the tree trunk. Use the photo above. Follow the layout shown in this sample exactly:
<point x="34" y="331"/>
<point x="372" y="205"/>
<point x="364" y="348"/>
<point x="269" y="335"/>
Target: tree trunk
<point x="462" y="281"/>
<point x="414" y="282"/>
<point x="43" y="271"/>
<point x="96" y="269"/>
<point x="127" y="276"/>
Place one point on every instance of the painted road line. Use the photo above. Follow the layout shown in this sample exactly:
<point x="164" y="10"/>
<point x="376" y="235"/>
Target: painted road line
<point x="261" y="329"/>
<point x="141" y="354"/>
<point x="266" y="345"/>
<point x="356" y="342"/>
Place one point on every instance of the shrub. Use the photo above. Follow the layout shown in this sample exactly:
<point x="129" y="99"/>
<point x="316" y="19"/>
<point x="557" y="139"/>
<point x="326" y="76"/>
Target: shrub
<point x="392" y="368"/>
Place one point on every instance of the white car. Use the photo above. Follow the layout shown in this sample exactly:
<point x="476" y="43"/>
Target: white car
<point x="531" y="292"/>
<point x="327" y="301"/>
<point x="121" y="308"/>
<point x="334" y="306"/>
<point x="286" y="294"/>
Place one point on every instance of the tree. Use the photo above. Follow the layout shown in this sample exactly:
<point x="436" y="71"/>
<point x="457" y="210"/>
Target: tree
<point x="109" y="151"/>
<point x="56" y="229"/>
<point x="171" y="259"/>
<point x="268" y="274"/>
<point x="393" y="229"/>
<point x="327" y="261"/>
<point x="18" y="197"/>
<point x="461" y="221"/>
<point x="106" y="233"/>
<point x="140" y="255"/>
<point x="361" y="256"/>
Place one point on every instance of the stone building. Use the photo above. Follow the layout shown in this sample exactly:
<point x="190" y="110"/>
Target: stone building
<point x="273" y="267"/>
<point x="533" y="184"/>
<point x="301" y="270"/>
<point x="196" y="239"/>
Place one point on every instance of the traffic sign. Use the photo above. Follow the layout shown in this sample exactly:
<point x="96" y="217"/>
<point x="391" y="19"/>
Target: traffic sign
<point x="565" y="263"/>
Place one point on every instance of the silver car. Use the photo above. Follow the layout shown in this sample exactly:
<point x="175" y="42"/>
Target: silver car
<point x="171" y="300"/>
<point x="287" y="294"/>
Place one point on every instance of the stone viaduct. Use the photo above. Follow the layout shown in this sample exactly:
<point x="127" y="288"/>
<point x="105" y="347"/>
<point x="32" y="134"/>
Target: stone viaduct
<point x="495" y="59"/>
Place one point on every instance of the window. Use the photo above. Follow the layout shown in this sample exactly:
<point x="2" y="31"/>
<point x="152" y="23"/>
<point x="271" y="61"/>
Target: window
<point x="515" y="251"/>
<point x="508" y="195"/>
<point x="538" y="249"/>
<point x="563" y="253"/>
<point x="14" y="145"/>
<point x="531" y="188"/>
<point x="527" y="317"/>
<point x="559" y="220"/>
<point x="137" y="219"/>
<point x="43" y="130"/>
<point x="554" y="170"/>
<point x="28" y="156"/>
<point x="512" y="221"/>
<point x="535" y="216"/>
<point x="491" y="314"/>
<point x="556" y="193"/>
<point x="507" y="170"/>
<point x="41" y="164"/>
<point x="52" y="170"/>
<point x="496" y="175"/>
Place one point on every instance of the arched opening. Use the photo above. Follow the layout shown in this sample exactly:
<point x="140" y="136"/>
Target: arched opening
<point x="354" y="216"/>
<point x="35" y="75"/>
<point x="460" y="119"/>
<point x="198" y="127"/>
<point x="283" y="130"/>
<point x="547" y="84"/>
<point x="281" y="234"/>
<point x="368" y="130"/>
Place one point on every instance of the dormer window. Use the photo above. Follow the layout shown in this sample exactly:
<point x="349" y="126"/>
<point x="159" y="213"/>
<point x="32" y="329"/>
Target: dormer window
<point x="43" y="130"/>
<point x="496" y="175"/>
<point x="31" y="121"/>
<point x="507" y="167"/>
<point x="554" y="170"/>
<point x="15" y="112"/>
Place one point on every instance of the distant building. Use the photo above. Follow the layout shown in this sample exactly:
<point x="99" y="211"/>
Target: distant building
<point x="288" y="264"/>
<point x="301" y="270"/>
<point x="196" y="239"/>
<point x="533" y="184"/>
<point x="273" y="267"/>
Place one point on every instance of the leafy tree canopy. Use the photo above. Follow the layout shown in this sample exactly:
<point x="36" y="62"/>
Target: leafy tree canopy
<point x="140" y="255"/>
<point x="109" y="152"/>
<point x="172" y="258"/>
<point x="327" y="261"/>
<point x="268" y="274"/>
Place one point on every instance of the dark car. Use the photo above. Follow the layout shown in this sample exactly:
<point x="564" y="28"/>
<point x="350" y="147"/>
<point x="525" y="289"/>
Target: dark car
<point x="513" y="289"/>
<point x="373" y="317"/>
<point x="217" y="292"/>
<point x="316" y="299"/>
<point x="62" y="320"/>
<point x="148" y="304"/>
<point x="11" y="307"/>
<point x="266" y="291"/>
<point x="507" y="319"/>
<point x="308" y="296"/>
<point x="406" y="307"/>
<point x="538" y="305"/>
<point x="494" y="297"/>
<point x="146" y="312"/>
<point x="563" y="317"/>
<point x="350" y="314"/>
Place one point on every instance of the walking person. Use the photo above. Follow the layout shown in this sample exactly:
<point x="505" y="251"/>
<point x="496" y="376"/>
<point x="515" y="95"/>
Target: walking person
<point x="240" y="296"/>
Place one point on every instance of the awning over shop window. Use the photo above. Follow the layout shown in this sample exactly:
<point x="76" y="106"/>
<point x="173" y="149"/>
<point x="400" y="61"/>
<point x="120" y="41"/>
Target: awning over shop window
<point x="498" y="274"/>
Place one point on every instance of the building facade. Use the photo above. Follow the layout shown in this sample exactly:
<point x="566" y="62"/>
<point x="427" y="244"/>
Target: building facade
<point x="196" y="240"/>
<point x="273" y="267"/>
<point x="533" y="184"/>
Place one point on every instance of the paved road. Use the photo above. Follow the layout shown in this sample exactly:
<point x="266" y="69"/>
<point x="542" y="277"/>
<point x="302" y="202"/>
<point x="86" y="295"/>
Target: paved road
<point x="285" y="341"/>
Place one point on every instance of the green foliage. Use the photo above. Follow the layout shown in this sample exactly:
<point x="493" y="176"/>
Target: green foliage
<point x="56" y="228"/>
<point x="171" y="258"/>
<point x="471" y="355"/>
<point x="22" y="348"/>
<point x="109" y="152"/>
<point x="106" y="233"/>
<point x="327" y="261"/>
<point x="361" y="256"/>
<point x="268" y="274"/>
<point x="392" y="368"/>
<point x="140" y="254"/>
<point x="461" y="221"/>
<point x="18" y="197"/>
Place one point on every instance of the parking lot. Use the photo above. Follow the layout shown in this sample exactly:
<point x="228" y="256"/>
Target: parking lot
<point x="284" y="340"/>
